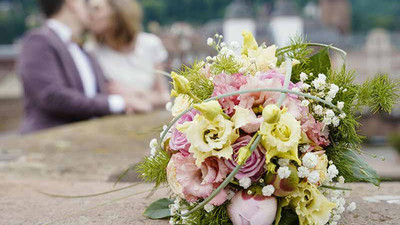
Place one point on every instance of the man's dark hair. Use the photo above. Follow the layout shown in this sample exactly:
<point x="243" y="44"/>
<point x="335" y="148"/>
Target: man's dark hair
<point x="51" y="7"/>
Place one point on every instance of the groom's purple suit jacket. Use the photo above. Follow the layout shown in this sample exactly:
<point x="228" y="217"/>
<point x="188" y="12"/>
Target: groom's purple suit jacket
<point x="53" y="90"/>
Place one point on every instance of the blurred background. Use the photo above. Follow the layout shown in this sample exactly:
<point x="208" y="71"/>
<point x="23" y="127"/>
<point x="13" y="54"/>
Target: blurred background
<point x="368" y="30"/>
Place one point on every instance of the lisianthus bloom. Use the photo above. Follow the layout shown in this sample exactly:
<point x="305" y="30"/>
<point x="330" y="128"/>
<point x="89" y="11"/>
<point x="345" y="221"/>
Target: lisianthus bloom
<point x="310" y="205"/>
<point x="247" y="209"/>
<point x="180" y="83"/>
<point x="223" y="84"/>
<point x="178" y="141"/>
<point x="253" y="168"/>
<point x="191" y="182"/>
<point x="316" y="131"/>
<point x="181" y="103"/>
<point x="282" y="138"/>
<point x="210" y="137"/>
<point x="250" y="100"/>
<point x="246" y="119"/>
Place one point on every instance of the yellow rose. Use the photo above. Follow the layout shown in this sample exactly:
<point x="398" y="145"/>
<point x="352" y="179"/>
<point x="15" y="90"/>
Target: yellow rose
<point x="210" y="137"/>
<point x="282" y="138"/>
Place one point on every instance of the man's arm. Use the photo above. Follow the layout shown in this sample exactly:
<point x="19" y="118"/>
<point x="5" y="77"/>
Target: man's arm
<point x="43" y="81"/>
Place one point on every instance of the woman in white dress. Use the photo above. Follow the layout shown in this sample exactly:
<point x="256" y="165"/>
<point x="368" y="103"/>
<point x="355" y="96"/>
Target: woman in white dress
<point x="128" y="56"/>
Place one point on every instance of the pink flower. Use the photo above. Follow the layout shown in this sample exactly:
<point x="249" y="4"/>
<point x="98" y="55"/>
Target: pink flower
<point x="254" y="166"/>
<point x="178" y="141"/>
<point x="246" y="209"/>
<point x="223" y="84"/>
<point x="315" y="131"/>
<point x="191" y="182"/>
<point x="249" y="100"/>
<point x="274" y="74"/>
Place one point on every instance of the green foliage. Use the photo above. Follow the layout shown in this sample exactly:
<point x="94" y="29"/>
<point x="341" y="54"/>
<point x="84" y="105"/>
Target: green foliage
<point x="218" y="216"/>
<point x="348" y="129"/>
<point x="153" y="169"/>
<point x="351" y="166"/>
<point x="379" y="93"/>
<point x="159" y="209"/>
<point x="320" y="62"/>
<point x="225" y="65"/>
<point x="288" y="217"/>
<point x="200" y="85"/>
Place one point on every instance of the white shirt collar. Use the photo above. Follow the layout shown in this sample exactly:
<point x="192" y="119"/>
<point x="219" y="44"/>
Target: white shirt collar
<point x="62" y="30"/>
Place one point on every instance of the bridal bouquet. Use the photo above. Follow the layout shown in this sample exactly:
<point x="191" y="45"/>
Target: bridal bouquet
<point x="263" y="135"/>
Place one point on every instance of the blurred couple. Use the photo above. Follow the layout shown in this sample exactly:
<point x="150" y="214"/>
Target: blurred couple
<point x="115" y="74"/>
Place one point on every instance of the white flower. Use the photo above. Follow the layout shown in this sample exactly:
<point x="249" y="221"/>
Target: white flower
<point x="209" y="58"/>
<point x="209" y="208"/>
<point x="171" y="220"/>
<point x="310" y="160"/>
<point x="220" y="36"/>
<point x="234" y="45"/>
<point x="305" y="87"/>
<point x="344" y="90"/>
<point x="340" y="105"/>
<point x="305" y="103"/>
<point x="168" y="106"/>
<point x="332" y="172"/>
<point x="318" y="110"/>
<point x="335" y="121"/>
<point x="223" y="44"/>
<point x="341" y="180"/>
<point x="210" y="41"/>
<point x="333" y="91"/>
<point x="320" y="82"/>
<point x="352" y="206"/>
<point x="303" y="172"/>
<point x="283" y="162"/>
<point x="313" y="177"/>
<point x="268" y="190"/>
<point x="303" y="77"/>
<point x="327" y="121"/>
<point x="245" y="182"/>
<point x="153" y="143"/>
<point x="181" y="103"/>
<point x="304" y="148"/>
<point x="253" y="60"/>
<point x="328" y="99"/>
<point x="242" y="70"/>
<point x="284" y="172"/>
<point x="342" y="115"/>
<point x="330" y="113"/>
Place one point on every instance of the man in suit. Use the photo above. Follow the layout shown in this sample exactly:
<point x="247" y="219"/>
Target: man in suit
<point x="62" y="83"/>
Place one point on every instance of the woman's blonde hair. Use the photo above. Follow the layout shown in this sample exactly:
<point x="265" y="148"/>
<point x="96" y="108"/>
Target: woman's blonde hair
<point x="127" y="23"/>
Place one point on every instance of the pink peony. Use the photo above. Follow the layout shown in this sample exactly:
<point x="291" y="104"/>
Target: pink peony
<point x="178" y="141"/>
<point x="223" y="84"/>
<point x="246" y="209"/>
<point x="254" y="166"/>
<point x="190" y="182"/>
<point x="315" y="131"/>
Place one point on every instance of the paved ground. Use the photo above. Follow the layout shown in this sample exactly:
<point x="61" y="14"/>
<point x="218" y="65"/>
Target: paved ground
<point x="79" y="159"/>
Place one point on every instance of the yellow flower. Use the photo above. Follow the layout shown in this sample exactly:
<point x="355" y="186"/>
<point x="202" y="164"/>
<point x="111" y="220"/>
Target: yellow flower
<point x="312" y="207"/>
<point x="209" y="109"/>
<point x="249" y="42"/>
<point x="210" y="137"/>
<point x="181" y="103"/>
<point x="271" y="113"/>
<point x="322" y="167"/>
<point x="180" y="83"/>
<point x="282" y="138"/>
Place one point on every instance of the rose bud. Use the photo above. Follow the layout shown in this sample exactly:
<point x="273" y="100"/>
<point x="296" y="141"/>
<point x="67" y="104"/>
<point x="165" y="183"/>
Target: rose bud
<point x="246" y="209"/>
<point x="283" y="187"/>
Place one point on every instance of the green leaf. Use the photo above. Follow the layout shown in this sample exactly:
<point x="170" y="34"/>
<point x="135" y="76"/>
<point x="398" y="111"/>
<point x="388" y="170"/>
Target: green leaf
<point x="352" y="167"/>
<point x="159" y="209"/>
<point x="288" y="217"/>
<point x="320" y="62"/>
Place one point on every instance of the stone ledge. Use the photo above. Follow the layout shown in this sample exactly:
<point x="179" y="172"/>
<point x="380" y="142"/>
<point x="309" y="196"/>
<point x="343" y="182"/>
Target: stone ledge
<point x="22" y="204"/>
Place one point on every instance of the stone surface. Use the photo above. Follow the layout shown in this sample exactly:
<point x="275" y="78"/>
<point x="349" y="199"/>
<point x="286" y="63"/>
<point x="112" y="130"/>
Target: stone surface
<point x="22" y="204"/>
<point x="88" y="151"/>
